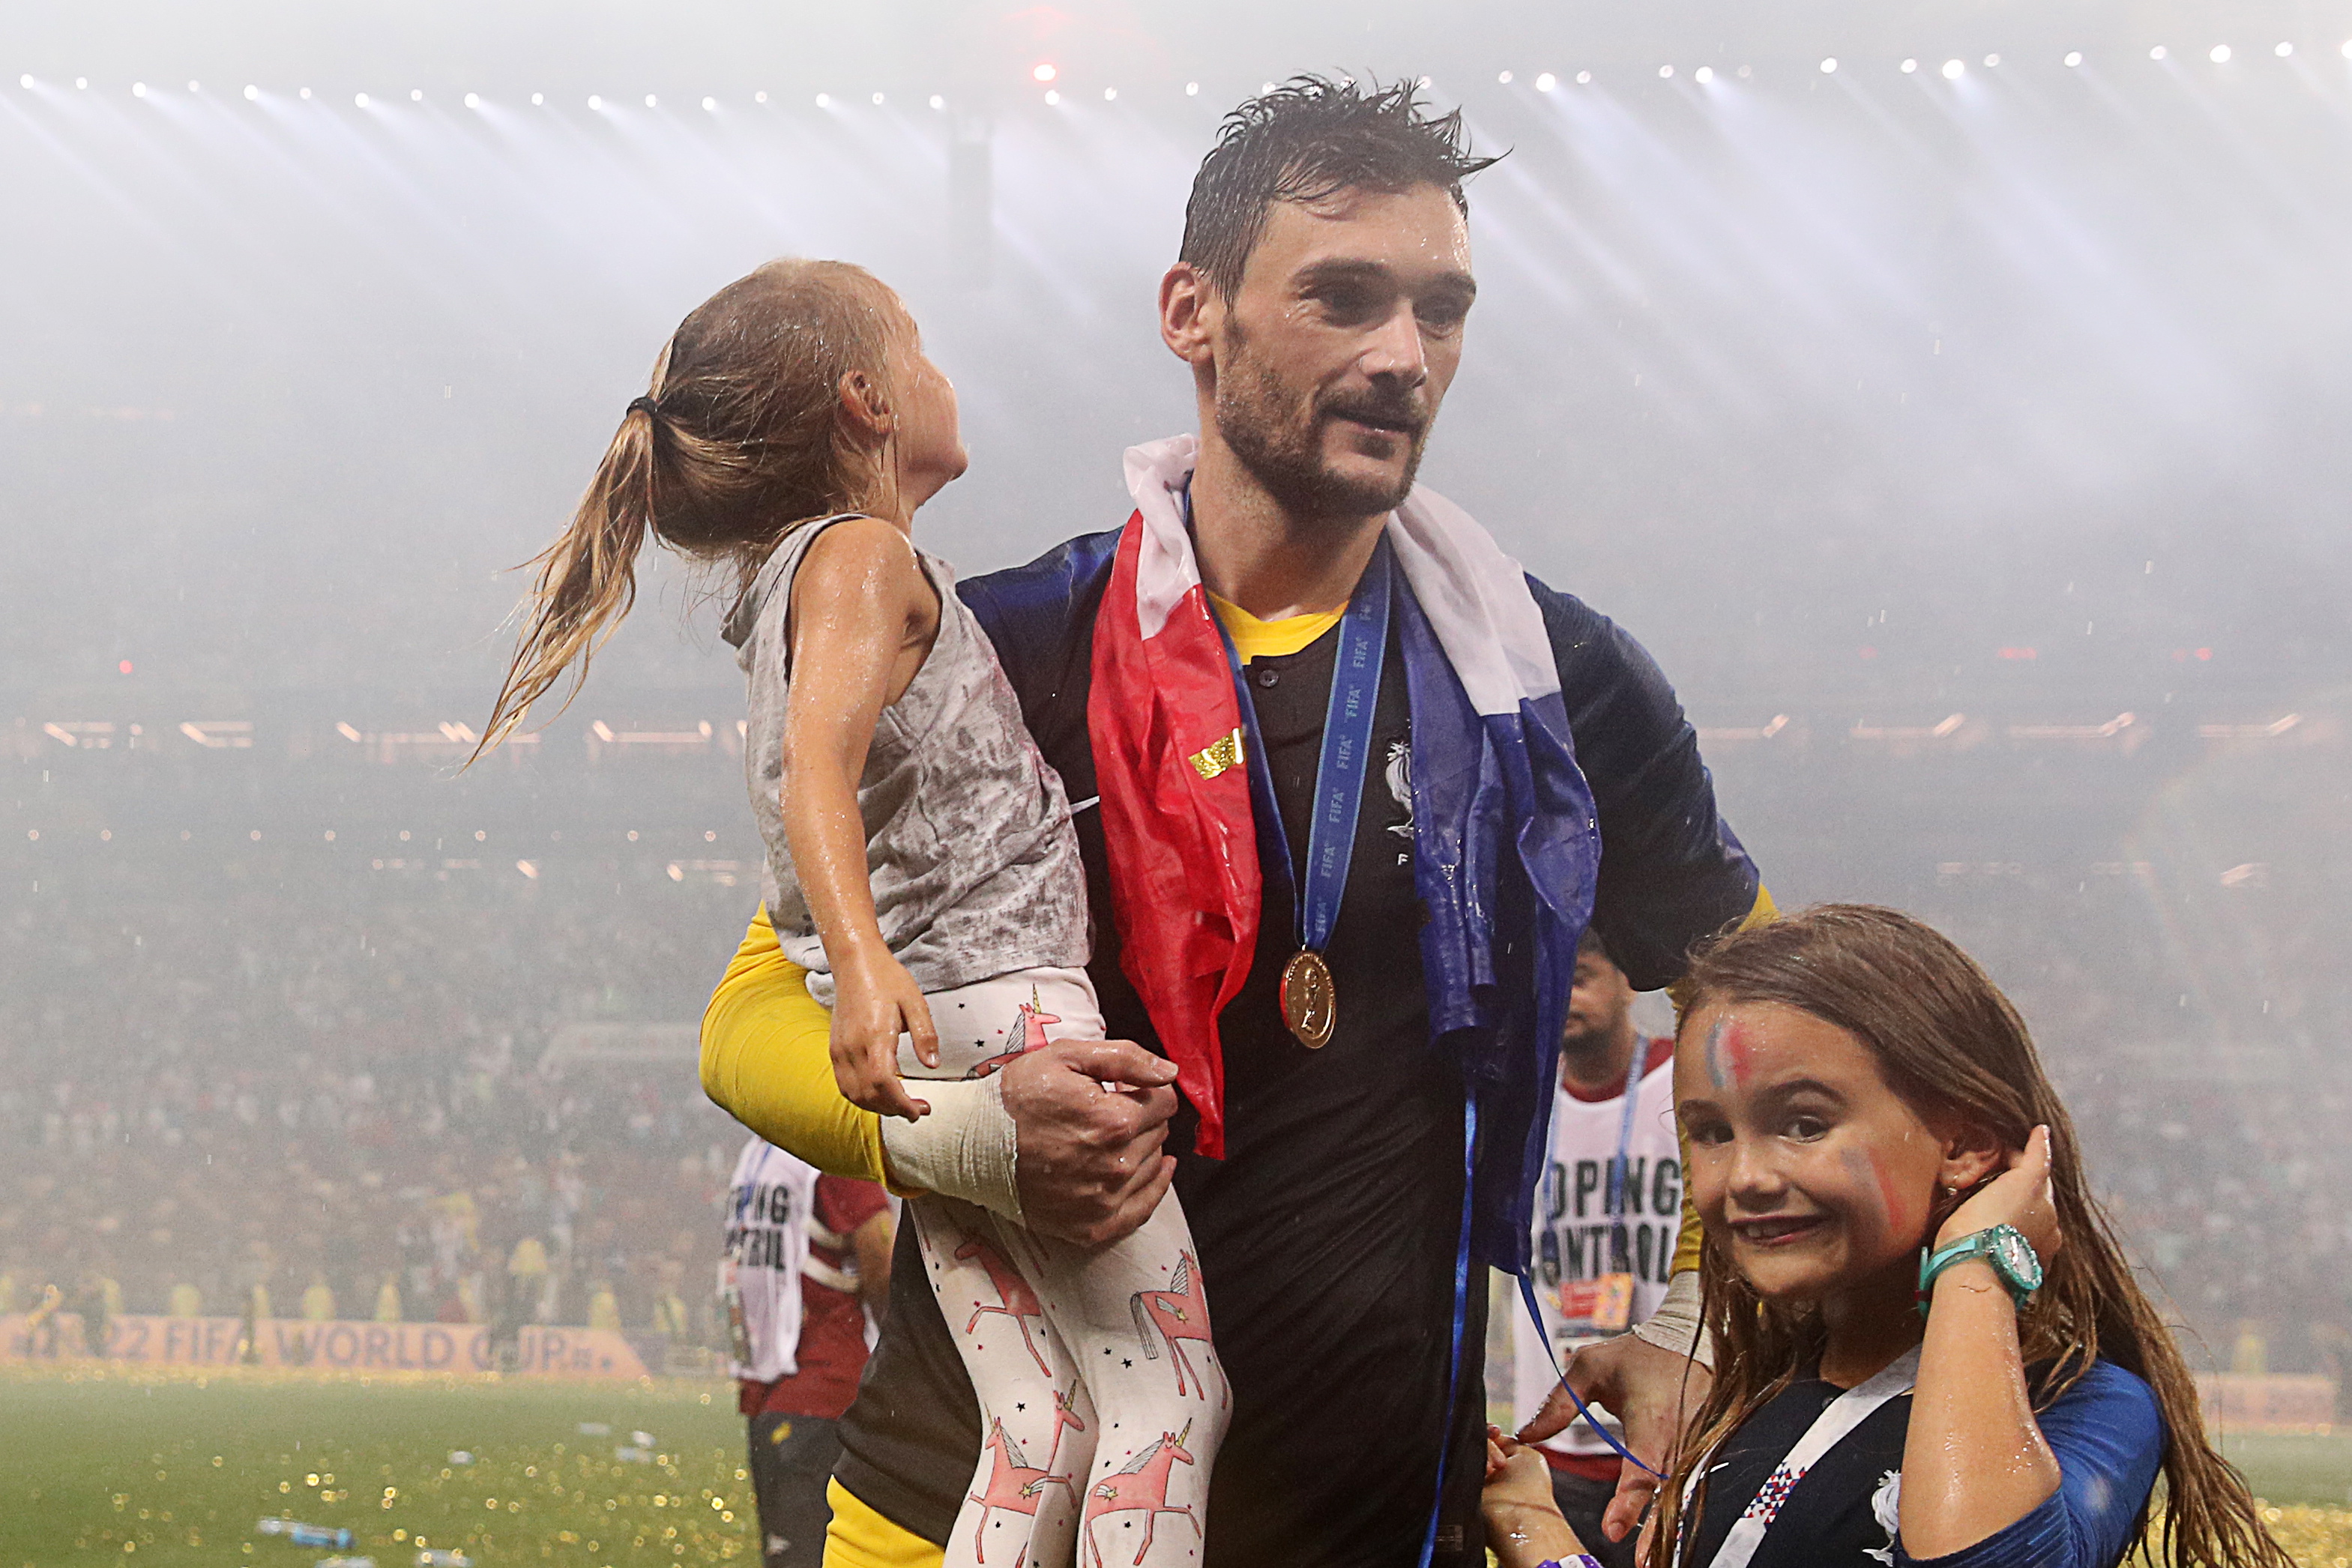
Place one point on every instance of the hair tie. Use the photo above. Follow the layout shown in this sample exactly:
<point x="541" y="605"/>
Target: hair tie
<point x="646" y="404"/>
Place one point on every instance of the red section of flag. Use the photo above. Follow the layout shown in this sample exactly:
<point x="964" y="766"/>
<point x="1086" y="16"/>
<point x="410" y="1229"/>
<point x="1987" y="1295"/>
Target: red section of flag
<point x="1181" y="843"/>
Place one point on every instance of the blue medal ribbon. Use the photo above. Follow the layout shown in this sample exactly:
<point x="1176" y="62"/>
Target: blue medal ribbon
<point x="1339" y="773"/>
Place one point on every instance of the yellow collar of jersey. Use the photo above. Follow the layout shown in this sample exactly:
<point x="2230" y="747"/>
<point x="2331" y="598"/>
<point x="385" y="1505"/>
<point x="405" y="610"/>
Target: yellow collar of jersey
<point x="1255" y="638"/>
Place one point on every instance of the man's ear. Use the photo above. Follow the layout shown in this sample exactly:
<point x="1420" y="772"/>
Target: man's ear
<point x="1190" y="308"/>
<point x="865" y="407"/>
<point x="1972" y="1153"/>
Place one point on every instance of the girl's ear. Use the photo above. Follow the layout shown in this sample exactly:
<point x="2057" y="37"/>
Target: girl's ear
<point x="866" y="406"/>
<point x="1972" y="1154"/>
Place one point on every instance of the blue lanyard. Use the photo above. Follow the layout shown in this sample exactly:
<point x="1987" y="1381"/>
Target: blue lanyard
<point x="1347" y="753"/>
<point x="1613" y="1201"/>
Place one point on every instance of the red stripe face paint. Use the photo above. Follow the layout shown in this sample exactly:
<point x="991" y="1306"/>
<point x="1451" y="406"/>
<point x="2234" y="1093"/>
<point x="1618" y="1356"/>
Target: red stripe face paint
<point x="1727" y="1048"/>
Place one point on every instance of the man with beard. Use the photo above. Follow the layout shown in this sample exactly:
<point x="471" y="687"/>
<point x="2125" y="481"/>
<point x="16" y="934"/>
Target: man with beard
<point x="1361" y="784"/>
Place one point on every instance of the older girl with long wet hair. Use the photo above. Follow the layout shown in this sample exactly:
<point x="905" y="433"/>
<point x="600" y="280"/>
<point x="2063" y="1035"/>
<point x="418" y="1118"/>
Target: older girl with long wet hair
<point x="1929" y="1347"/>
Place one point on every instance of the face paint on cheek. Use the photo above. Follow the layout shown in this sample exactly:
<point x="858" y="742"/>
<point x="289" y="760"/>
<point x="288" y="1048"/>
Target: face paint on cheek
<point x="1891" y="1211"/>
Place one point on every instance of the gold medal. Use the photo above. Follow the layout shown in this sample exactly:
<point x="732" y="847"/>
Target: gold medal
<point x="1310" y="1003"/>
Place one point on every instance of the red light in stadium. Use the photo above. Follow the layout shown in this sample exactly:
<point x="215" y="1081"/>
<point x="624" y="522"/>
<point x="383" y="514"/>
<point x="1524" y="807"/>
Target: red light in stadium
<point x="125" y="667"/>
<point x="2020" y="653"/>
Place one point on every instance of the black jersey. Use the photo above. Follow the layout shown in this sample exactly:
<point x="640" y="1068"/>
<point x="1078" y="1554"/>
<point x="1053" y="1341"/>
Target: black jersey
<point x="1327" y="1234"/>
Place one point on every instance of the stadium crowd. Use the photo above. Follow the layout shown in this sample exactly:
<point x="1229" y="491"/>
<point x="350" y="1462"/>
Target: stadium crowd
<point x="262" y="1096"/>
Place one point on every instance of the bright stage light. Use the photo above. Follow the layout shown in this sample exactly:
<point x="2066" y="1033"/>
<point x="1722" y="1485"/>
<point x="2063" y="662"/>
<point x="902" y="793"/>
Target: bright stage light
<point x="823" y="100"/>
<point x="2346" y="52"/>
<point x="1665" y="72"/>
<point x="649" y="101"/>
<point x="2156" y="53"/>
<point x="137" y="89"/>
<point x="710" y="106"/>
<point x="81" y="84"/>
<point x="1110" y="95"/>
<point x="2283" y="50"/>
<point x="1910" y="65"/>
<point x="538" y="99"/>
<point x="252" y="93"/>
<point x="760" y="97"/>
<point x="1193" y="89"/>
<point x="1704" y="75"/>
<point x="193" y="87"/>
<point x="1052" y="97"/>
<point x="25" y="81"/>
<point x="2219" y="54"/>
<point x="473" y="100"/>
<point x="358" y="100"/>
<point x="416" y="95"/>
<point x="1992" y="61"/>
<point x="1829" y="65"/>
<point x="1505" y="79"/>
<point x="2073" y="59"/>
<point x="1583" y="78"/>
<point x="1545" y="82"/>
<point x="938" y="102"/>
<point x="877" y="101"/>
<point x="306" y="95"/>
<point x="1043" y="71"/>
<point x="1954" y="70"/>
<point x="597" y="104"/>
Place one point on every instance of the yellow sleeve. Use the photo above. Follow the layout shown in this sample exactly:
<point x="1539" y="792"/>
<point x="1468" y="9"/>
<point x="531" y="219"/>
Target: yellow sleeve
<point x="1691" y="1237"/>
<point x="767" y="1063"/>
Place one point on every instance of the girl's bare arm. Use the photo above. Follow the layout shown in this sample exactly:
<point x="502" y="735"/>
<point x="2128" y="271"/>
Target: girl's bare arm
<point x="863" y="617"/>
<point x="1974" y="1459"/>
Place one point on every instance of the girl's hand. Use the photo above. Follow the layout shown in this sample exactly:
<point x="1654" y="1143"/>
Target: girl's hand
<point x="1523" y="1522"/>
<point x="2019" y="1197"/>
<point x="874" y="1002"/>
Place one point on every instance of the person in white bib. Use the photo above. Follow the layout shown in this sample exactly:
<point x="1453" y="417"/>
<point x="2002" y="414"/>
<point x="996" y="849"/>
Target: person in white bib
<point x="1605" y="1224"/>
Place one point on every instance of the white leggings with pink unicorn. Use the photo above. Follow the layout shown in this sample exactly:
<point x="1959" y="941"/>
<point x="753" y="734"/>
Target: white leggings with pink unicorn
<point x="1101" y="1401"/>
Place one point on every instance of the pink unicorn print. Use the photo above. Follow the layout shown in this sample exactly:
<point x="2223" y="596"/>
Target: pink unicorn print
<point x="1029" y="1026"/>
<point x="1180" y="1313"/>
<point x="1014" y="1300"/>
<point x="1143" y="1485"/>
<point x="1012" y="1483"/>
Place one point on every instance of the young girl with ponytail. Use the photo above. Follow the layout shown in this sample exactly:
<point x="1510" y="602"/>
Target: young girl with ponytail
<point x="922" y="868"/>
<point x="1929" y="1346"/>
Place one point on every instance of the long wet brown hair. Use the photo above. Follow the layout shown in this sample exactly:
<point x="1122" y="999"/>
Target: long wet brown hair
<point x="738" y="440"/>
<point x="1953" y="1047"/>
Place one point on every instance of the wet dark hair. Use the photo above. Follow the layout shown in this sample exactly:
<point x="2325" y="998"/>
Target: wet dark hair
<point x="1309" y="140"/>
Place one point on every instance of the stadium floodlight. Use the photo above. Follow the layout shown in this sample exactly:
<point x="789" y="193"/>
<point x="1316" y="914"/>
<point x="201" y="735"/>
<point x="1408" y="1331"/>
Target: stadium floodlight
<point x="823" y="102"/>
<point x="416" y="95"/>
<point x="137" y="89"/>
<point x="1992" y="61"/>
<point x="2073" y="59"/>
<point x="877" y="101"/>
<point x="1704" y="75"/>
<point x="1829" y="65"/>
<point x="81" y="84"/>
<point x="1505" y="79"/>
<point x="938" y="102"/>
<point x="1110" y="95"/>
<point x="649" y="101"/>
<point x="1954" y="70"/>
<point x="1043" y="71"/>
<point x="1193" y="89"/>
<point x="358" y="100"/>
<point x="710" y="106"/>
<point x="1052" y="97"/>
<point x="2158" y="52"/>
<point x="473" y="100"/>
<point x="252" y="93"/>
<point x="2219" y="54"/>
<point x="1910" y="65"/>
<point x="1545" y="82"/>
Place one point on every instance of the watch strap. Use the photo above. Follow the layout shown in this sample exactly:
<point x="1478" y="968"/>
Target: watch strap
<point x="1976" y="1244"/>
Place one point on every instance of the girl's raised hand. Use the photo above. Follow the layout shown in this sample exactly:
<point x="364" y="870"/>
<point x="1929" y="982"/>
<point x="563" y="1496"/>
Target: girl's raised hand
<point x="2019" y="1197"/>
<point x="874" y="1002"/>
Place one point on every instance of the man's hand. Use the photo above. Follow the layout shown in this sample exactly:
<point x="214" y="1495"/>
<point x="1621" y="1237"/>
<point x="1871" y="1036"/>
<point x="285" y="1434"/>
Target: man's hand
<point x="1653" y="1392"/>
<point x="1088" y="1118"/>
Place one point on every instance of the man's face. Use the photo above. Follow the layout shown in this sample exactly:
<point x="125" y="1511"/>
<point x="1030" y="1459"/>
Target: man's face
<point x="1337" y="346"/>
<point x="1597" y="1002"/>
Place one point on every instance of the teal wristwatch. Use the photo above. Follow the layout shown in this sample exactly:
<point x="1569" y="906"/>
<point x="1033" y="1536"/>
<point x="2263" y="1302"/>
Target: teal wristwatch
<point x="2002" y="1246"/>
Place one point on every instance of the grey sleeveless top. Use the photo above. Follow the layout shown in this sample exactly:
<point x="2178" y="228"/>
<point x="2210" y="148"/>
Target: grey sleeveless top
<point x="968" y="846"/>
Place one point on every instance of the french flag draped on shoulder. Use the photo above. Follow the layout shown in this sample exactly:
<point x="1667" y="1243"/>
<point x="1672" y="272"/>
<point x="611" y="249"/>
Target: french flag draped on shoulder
<point x="1507" y="845"/>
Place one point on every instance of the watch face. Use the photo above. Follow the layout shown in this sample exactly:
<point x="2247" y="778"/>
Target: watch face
<point x="2015" y="1256"/>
